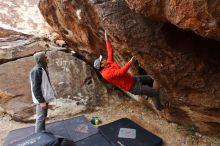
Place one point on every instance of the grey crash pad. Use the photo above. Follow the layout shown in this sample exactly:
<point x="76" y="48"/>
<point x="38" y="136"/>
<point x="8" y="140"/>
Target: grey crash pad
<point x="76" y="129"/>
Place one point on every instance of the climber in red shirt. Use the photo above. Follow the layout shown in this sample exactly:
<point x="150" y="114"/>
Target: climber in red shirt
<point x="119" y="76"/>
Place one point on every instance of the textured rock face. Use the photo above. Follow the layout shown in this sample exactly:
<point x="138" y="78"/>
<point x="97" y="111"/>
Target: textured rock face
<point x="186" y="65"/>
<point x="79" y="35"/>
<point x="14" y="71"/>
<point x="14" y="45"/>
<point x="200" y="16"/>
<point x="77" y="85"/>
<point x="15" y="93"/>
<point x="4" y="33"/>
<point x="22" y="16"/>
<point x="75" y="82"/>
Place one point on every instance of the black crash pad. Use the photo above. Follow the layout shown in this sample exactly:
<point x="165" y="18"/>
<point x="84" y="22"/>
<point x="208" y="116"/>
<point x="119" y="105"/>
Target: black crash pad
<point x="94" y="140"/>
<point x="143" y="137"/>
<point x="43" y="139"/>
<point x="76" y="129"/>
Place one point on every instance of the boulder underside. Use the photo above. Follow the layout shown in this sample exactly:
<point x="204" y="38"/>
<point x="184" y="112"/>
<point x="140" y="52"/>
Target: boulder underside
<point x="186" y="64"/>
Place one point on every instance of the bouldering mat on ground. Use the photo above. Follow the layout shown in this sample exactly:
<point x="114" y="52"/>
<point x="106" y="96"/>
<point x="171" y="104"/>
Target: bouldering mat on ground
<point x="94" y="140"/>
<point x="76" y="129"/>
<point x="43" y="139"/>
<point x="142" y="137"/>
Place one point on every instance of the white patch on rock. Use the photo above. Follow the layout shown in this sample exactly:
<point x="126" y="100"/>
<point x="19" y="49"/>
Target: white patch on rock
<point x="60" y="43"/>
<point x="60" y="83"/>
<point x="78" y="12"/>
<point x="73" y="52"/>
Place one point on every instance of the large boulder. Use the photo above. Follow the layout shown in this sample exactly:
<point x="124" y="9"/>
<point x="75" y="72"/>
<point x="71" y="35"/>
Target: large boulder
<point x="200" y="16"/>
<point x="14" y="45"/>
<point x="78" y="28"/>
<point x="77" y="80"/>
<point x="76" y="83"/>
<point x="23" y="16"/>
<point x="15" y="95"/>
<point x="14" y="86"/>
<point x="186" y="65"/>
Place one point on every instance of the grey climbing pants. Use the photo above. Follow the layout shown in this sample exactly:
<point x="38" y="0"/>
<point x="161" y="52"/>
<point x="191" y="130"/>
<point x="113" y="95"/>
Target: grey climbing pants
<point x="143" y="86"/>
<point x="41" y="115"/>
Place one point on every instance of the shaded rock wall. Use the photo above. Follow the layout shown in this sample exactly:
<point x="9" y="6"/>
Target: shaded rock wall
<point x="200" y="16"/>
<point x="186" y="65"/>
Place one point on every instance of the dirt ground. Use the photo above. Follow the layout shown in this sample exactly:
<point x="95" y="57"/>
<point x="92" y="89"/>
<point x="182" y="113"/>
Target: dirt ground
<point x="172" y="134"/>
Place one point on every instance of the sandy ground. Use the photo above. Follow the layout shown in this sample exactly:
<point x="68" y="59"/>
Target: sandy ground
<point x="172" y="134"/>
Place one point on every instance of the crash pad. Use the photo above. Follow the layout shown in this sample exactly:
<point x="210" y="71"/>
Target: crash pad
<point x="76" y="129"/>
<point x="43" y="139"/>
<point x="135" y="136"/>
<point x="94" y="140"/>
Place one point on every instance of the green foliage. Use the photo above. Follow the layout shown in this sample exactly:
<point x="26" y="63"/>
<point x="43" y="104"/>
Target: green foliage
<point x="148" y="110"/>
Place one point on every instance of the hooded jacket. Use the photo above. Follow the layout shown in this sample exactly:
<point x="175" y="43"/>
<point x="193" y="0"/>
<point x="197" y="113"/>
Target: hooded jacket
<point x="41" y="88"/>
<point x="115" y="74"/>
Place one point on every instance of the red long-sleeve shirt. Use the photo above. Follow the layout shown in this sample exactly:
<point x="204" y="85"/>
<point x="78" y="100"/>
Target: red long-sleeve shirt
<point x="115" y="74"/>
